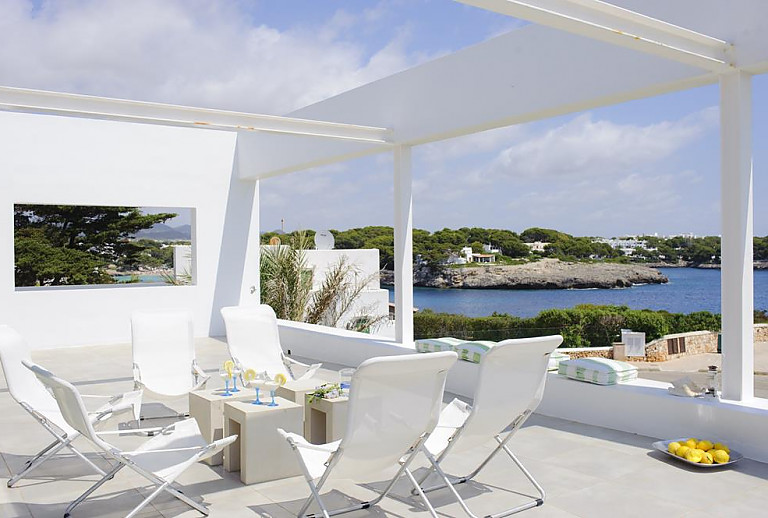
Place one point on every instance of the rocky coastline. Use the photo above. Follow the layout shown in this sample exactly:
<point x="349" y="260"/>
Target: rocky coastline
<point x="543" y="274"/>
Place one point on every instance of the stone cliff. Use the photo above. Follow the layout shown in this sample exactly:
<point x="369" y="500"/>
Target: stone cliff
<point x="543" y="274"/>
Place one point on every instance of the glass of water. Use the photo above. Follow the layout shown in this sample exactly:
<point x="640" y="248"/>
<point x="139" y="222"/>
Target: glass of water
<point x="345" y="380"/>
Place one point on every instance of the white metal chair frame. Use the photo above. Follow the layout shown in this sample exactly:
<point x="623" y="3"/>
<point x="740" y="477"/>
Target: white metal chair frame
<point x="72" y="407"/>
<point x="48" y="417"/>
<point x="408" y="456"/>
<point x="435" y="368"/>
<point x="158" y="329"/>
<point x="542" y="347"/>
<point x="251" y="327"/>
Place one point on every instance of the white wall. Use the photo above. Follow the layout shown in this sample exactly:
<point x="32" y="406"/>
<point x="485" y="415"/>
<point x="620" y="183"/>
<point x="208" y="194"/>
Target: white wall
<point x="372" y="300"/>
<point x="641" y="407"/>
<point x="56" y="160"/>
<point x="366" y="262"/>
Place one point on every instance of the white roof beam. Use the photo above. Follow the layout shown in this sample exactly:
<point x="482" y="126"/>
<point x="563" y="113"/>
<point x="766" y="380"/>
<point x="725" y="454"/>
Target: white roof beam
<point x="85" y="106"/>
<point x="612" y="24"/>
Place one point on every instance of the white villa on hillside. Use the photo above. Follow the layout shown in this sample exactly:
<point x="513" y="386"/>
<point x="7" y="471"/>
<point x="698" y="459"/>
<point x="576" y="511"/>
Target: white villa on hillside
<point x="627" y="244"/>
<point x="576" y="55"/>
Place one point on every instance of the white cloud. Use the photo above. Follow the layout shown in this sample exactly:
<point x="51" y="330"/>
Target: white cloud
<point x="586" y="176"/>
<point x="187" y="52"/>
<point x="584" y="147"/>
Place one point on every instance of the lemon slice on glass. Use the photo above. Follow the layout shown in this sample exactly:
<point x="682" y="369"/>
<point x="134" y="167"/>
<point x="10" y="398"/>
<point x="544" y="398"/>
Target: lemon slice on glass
<point x="249" y="375"/>
<point x="280" y="379"/>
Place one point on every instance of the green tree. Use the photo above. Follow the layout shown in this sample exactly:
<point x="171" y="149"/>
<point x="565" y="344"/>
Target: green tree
<point x="66" y="244"/>
<point x="544" y="235"/>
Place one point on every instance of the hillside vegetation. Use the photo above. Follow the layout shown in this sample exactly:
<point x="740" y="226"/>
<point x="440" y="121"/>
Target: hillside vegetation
<point x="434" y="248"/>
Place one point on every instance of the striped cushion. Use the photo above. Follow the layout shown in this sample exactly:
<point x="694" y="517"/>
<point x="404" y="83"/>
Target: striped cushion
<point x="600" y="371"/>
<point x="473" y="351"/>
<point x="432" y="345"/>
<point x="467" y="351"/>
<point x="555" y="358"/>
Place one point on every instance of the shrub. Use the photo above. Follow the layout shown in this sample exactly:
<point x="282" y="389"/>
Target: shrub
<point x="582" y="326"/>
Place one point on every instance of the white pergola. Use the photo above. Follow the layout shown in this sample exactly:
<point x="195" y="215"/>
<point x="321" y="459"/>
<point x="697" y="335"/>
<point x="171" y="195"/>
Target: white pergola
<point x="577" y="55"/>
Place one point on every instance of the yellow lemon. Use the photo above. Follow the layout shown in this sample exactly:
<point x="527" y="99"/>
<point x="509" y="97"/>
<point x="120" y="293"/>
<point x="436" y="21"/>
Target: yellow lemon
<point x="691" y="443"/>
<point x="694" y="455"/>
<point x="229" y="365"/>
<point x="673" y="446"/>
<point x="682" y="450"/>
<point x="721" y="446"/>
<point x="704" y="445"/>
<point x="721" y="456"/>
<point x="280" y="379"/>
<point x="707" y="458"/>
<point x="250" y="375"/>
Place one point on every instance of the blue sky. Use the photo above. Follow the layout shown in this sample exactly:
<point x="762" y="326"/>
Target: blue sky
<point x="647" y="166"/>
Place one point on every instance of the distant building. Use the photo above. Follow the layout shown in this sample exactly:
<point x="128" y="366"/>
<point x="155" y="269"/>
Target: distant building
<point x="627" y="245"/>
<point x="537" y="246"/>
<point x="483" y="258"/>
<point x="490" y="249"/>
<point x="471" y="257"/>
<point x="454" y="258"/>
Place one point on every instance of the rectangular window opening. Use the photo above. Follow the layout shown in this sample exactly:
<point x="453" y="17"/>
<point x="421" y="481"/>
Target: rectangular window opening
<point x="102" y="246"/>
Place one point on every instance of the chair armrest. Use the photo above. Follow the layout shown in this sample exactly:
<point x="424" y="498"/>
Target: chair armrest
<point x="136" y="376"/>
<point x="198" y="373"/>
<point x="120" y="403"/>
<point x="215" y="447"/>
<point x="311" y="369"/>
<point x="325" y="448"/>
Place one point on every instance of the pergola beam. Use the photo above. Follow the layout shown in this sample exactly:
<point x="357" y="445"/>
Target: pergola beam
<point x="85" y="106"/>
<point x="612" y="24"/>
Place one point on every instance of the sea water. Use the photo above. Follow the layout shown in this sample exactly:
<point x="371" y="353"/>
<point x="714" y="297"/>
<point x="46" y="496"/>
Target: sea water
<point x="688" y="290"/>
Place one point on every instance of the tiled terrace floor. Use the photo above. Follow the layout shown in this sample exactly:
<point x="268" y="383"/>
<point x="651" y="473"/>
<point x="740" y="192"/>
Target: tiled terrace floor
<point x="588" y="472"/>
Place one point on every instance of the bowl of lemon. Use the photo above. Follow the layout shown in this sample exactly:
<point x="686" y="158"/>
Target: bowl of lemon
<point x="702" y="453"/>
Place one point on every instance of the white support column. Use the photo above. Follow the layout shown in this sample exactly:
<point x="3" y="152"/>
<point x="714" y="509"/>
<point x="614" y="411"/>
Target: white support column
<point x="403" y="246"/>
<point x="250" y="294"/>
<point x="737" y="228"/>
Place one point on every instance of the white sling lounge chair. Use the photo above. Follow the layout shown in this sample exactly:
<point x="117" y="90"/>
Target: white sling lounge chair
<point x="164" y="361"/>
<point x="394" y="404"/>
<point x="254" y="341"/>
<point x="510" y="387"/>
<point x="160" y="459"/>
<point x="28" y="392"/>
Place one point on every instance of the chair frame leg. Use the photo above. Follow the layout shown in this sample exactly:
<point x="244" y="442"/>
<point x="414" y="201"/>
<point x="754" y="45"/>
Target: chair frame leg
<point x="61" y="442"/>
<point x="501" y="446"/>
<point x="325" y="513"/>
<point x="450" y="484"/>
<point x="161" y="485"/>
<point x="80" y="499"/>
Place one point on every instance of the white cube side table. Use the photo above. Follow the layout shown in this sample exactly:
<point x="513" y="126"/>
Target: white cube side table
<point x="325" y="420"/>
<point x="260" y="453"/>
<point x="297" y="390"/>
<point x="207" y="407"/>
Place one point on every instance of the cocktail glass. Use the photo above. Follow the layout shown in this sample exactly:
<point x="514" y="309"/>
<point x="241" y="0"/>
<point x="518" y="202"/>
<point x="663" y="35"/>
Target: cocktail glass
<point x="236" y="370"/>
<point x="271" y="385"/>
<point x="258" y="383"/>
<point x="225" y="375"/>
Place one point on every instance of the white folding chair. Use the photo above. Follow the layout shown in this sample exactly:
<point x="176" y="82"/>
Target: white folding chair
<point x="160" y="459"/>
<point x="163" y="346"/>
<point x="394" y="404"/>
<point x="510" y="387"/>
<point x="254" y="341"/>
<point x="32" y="396"/>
